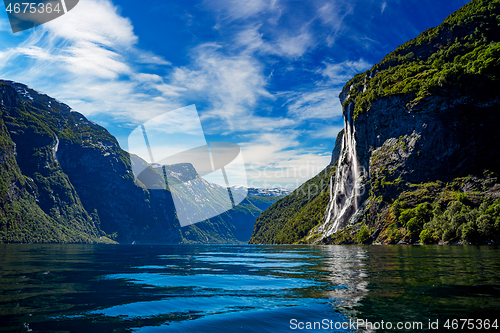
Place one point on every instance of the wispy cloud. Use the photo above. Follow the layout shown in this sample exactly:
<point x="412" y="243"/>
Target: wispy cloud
<point x="340" y="73"/>
<point x="383" y="6"/>
<point x="317" y="104"/>
<point x="233" y="85"/>
<point x="90" y="58"/>
<point x="231" y="10"/>
<point x="295" y="46"/>
<point x="237" y="78"/>
<point x="332" y="15"/>
<point x="287" y="44"/>
<point x="91" y="52"/>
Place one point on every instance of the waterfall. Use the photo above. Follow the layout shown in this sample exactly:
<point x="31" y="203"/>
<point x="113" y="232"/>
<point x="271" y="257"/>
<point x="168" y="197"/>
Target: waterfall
<point x="346" y="191"/>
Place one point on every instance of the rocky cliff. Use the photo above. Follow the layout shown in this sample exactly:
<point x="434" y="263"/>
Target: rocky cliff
<point x="78" y="176"/>
<point x="65" y="179"/>
<point x="420" y="152"/>
<point x="31" y="209"/>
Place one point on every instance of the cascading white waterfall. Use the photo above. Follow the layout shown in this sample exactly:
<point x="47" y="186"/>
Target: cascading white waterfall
<point x="344" y="199"/>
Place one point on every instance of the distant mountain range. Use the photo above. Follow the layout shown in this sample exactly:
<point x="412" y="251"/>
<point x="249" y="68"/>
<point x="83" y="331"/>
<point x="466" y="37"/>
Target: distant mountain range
<point x="65" y="179"/>
<point x="262" y="192"/>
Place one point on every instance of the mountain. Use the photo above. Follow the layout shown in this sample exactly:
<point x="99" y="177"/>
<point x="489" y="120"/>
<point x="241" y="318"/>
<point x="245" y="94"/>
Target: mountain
<point x="65" y="179"/>
<point x="232" y="226"/>
<point x="291" y="218"/>
<point x="261" y="192"/>
<point x="420" y="151"/>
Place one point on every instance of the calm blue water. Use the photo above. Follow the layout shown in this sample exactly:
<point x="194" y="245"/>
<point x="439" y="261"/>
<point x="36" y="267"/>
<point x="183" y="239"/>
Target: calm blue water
<point x="195" y="288"/>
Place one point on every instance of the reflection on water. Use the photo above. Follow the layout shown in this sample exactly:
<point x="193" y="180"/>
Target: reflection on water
<point x="347" y="267"/>
<point x="412" y="283"/>
<point x="198" y="288"/>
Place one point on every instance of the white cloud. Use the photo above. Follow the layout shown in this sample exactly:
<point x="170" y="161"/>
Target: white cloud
<point x="290" y="166"/>
<point x="142" y="77"/>
<point x="94" y="21"/>
<point x="318" y="104"/>
<point x="266" y="147"/>
<point x="232" y="10"/>
<point x="288" y="44"/>
<point x="383" y="6"/>
<point x="146" y="57"/>
<point x="233" y="85"/>
<point x="235" y="78"/>
<point x="169" y="90"/>
<point x="340" y="73"/>
<point x="251" y="39"/>
<point x="91" y="53"/>
<point x="332" y="15"/>
<point x="88" y="58"/>
<point x="295" y="46"/>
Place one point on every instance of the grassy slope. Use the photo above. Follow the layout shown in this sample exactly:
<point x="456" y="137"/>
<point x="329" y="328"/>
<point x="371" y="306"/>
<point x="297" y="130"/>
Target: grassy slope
<point x="290" y="219"/>
<point x="461" y="52"/>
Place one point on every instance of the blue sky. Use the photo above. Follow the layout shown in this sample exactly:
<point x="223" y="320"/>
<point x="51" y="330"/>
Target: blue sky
<point x="263" y="74"/>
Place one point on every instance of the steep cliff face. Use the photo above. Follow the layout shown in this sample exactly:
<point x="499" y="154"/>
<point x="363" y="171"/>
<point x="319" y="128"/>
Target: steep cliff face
<point x="79" y="175"/>
<point x="428" y="112"/>
<point x="420" y="152"/>
<point x="397" y="143"/>
<point x="38" y="202"/>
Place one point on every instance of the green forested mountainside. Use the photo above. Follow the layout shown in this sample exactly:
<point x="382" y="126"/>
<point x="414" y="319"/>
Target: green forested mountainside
<point x="263" y="203"/>
<point x="462" y="210"/>
<point x="453" y="69"/>
<point x="234" y="226"/>
<point x="65" y="179"/>
<point x="43" y="207"/>
<point x="462" y="54"/>
<point x="454" y="216"/>
<point x="290" y="219"/>
<point x="425" y="124"/>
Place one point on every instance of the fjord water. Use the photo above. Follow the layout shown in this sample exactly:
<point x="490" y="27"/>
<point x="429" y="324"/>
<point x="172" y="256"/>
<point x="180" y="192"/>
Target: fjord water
<point x="210" y="288"/>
